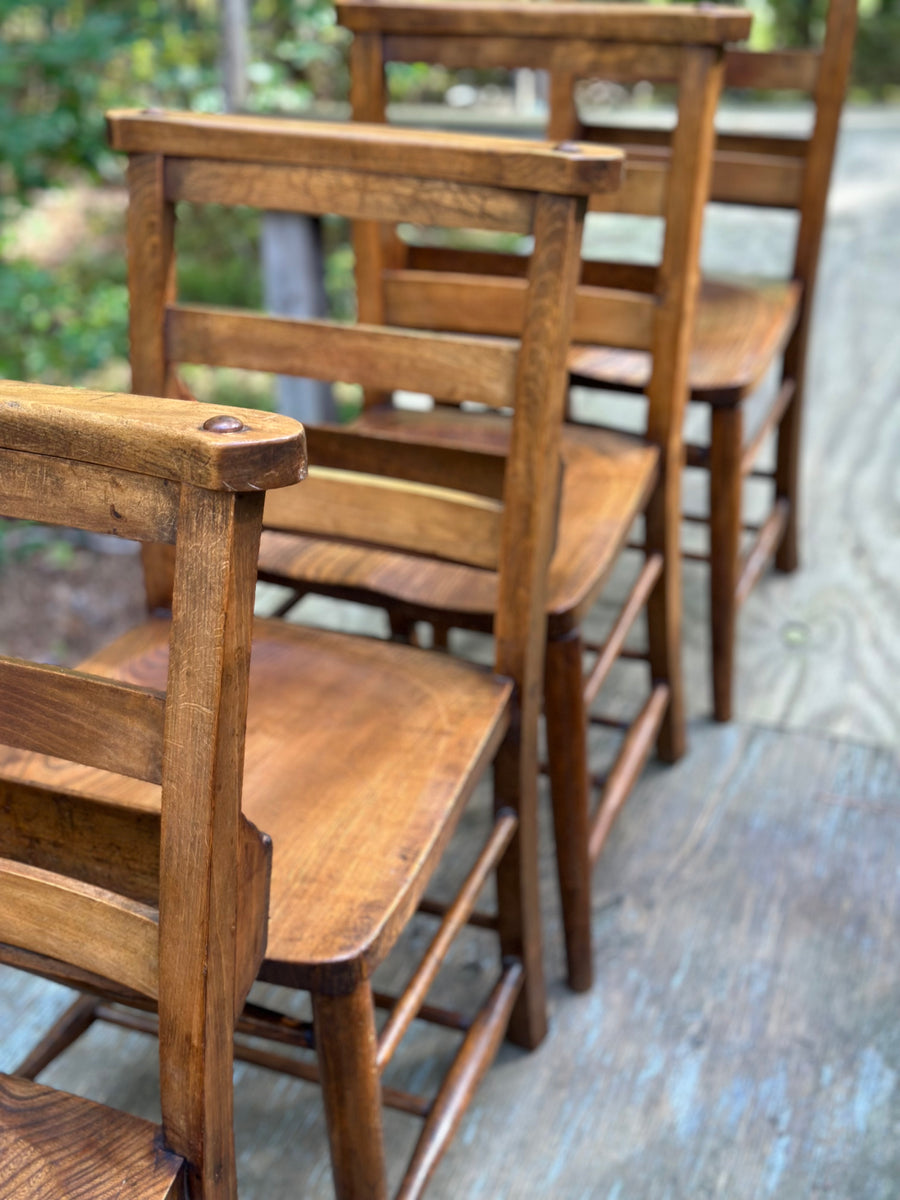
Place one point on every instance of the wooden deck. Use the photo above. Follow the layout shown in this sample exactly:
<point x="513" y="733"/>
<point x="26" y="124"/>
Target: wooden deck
<point x="742" y="1038"/>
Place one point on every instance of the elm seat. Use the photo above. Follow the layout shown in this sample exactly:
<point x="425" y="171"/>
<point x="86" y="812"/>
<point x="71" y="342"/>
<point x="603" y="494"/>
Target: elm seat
<point x="53" y="1144"/>
<point x="434" y="713"/>
<point x="739" y="330"/>
<point x="606" y="480"/>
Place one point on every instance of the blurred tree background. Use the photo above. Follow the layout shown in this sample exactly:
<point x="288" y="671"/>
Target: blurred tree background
<point x="64" y="62"/>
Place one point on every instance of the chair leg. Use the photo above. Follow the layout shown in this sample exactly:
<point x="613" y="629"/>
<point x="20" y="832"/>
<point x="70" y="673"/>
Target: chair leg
<point x="725" y="486"/>
<point x="663" y="518"/>
<point x="346" y="1048"/>
<point x="567" y="753"/>
<point x="518" y="891"/>
<point x="787" y="468"/>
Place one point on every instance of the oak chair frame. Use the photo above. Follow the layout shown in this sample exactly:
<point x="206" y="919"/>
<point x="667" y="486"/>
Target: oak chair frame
<point x="634" y="307"/>
<point x="467" y="506"/>
<point x="149" y="900"/>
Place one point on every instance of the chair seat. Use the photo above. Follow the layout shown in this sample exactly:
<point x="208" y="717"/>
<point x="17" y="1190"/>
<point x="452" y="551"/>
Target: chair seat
<point x="53" y="1144"/>
<point x="357" y="775"/>
<point x="741" y="328"/>
<point x="607" y="478"/>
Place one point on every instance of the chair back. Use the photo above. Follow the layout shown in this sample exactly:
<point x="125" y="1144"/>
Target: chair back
<point x="626" y="306"/>
<point x="145" y="902"/>
<point x="760" y="169"/>
<point x="469" y="505"/>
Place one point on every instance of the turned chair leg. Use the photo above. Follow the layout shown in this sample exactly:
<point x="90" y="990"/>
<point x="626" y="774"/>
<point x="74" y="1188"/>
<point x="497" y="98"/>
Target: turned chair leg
<point x="787" y="467"/>
<point x="518" y="891"/>
<point x="571" y="796"/>
<point x="663" y="536"/>
<point x="346" y="1048"/>
<point x="725" y="486"/>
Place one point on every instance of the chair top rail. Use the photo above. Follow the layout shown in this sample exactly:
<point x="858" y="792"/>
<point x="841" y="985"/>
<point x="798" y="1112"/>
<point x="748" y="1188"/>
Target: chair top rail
<point x="704" y="24"/>
<point x="222" y="450"/>
<point x="373" y="150"/>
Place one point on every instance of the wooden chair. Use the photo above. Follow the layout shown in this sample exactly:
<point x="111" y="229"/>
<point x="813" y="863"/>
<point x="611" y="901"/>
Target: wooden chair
<point x="609" y="479"/>
<point x="146" y="899"/>
<point x="361" y="774"/>
<point x="741" y="328"/>
<point x="744" y="326"/>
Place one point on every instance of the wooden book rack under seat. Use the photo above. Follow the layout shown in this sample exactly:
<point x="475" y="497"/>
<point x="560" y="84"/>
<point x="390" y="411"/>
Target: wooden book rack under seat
<point x="362" y="754"/>
<point x="168" y="902"/>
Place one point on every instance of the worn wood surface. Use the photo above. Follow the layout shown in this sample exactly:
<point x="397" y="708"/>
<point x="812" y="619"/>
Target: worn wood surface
<point x="741" y="1039"/>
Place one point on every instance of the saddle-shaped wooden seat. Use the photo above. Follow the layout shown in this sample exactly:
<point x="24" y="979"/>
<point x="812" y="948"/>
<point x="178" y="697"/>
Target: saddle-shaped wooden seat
<point x="739" y="329"/>
<point x="606" y="480"/>
<point x="387" y="727"/>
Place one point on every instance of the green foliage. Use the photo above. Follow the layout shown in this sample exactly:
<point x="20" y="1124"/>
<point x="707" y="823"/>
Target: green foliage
<point x="59" y="325"/>
<point x="52" y="60"/>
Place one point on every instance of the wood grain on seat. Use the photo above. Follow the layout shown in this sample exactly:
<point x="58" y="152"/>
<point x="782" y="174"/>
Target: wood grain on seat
<point x="739" y="330"/>
<point x="606" y="480"/>
<point x="55" y="1145"/>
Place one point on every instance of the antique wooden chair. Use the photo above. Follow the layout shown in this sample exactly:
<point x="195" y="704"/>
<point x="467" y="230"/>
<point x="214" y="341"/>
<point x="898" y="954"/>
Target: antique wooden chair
<point x="476" y="292"/>
<point x="743" y="326"/>
<point x="361" y="754"/>
<point x="146" y="899"/>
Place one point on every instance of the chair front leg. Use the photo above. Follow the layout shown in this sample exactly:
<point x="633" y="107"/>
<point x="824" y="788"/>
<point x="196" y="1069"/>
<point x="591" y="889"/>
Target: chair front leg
<point x="725" y="487"/>
<point x="518" y="891"/>
<point x="663" y="537"/>
<point x="787" y="468"/>
<point x="567" y="753"/>
<point x="346" y="1048"/>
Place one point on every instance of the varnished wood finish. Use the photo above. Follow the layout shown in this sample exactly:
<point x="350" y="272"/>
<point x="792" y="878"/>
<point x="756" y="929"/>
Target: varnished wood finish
<point x="180" y="947"/>
<point x="392" y="740"/>
<point x="528" y="166"/>
<point x="46" y="1138"/>
<point x="646" y="316"/>
<point x="711" y="24"/>
<point x="60" y="712"/>
<point x="743" y="328"/>
<point x="154" y="437"/>
<point x="451" y="367"/>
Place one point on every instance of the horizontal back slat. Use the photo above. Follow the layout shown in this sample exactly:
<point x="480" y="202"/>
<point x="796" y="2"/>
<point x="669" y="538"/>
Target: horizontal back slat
<point x="98" y="722"/>
<point x="54" y="491"/>
<point x="635" y="277"/>
<point x="91" y="928"/>
<point x="772" y="182"/>
<point x="442" y="300"/>
<point x="643" y="192"/>
<point x="448" y="366"/>
<point x="414" y="517"/>
<point x="776" y="70"/>
<point x="478" y="471"/>
<point x="106" y="844"/>
<point x="738" y="177"/>
<point x="618" y="63"/>
<point x="321" y="190"/>
<point x="766" y="145"/>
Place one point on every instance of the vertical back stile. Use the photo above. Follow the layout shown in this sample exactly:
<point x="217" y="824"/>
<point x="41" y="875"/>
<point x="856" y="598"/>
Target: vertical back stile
<point x="151" y="275"/>
<point x="202" y="770"/>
